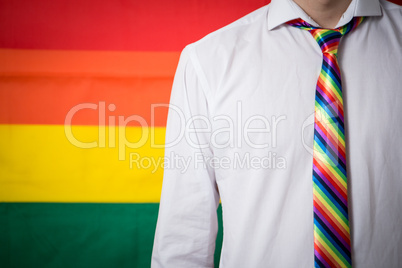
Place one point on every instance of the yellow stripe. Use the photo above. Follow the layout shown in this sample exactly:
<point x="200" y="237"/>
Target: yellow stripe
<point x="42" y="163"/>
<point x="331" y="210"/>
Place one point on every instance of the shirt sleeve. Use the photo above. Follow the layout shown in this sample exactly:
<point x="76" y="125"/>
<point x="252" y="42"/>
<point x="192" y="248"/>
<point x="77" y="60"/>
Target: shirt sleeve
<point x="187" y="222"/>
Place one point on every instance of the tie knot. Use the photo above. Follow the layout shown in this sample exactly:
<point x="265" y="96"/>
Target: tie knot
<point x="327" y="39"/>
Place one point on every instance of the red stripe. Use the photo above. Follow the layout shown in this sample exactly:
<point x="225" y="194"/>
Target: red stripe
<point x="116" y="25"/>
<point x="156" y="25"/>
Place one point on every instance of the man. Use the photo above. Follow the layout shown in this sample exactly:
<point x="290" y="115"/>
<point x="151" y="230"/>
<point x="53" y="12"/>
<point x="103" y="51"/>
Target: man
<point x="246" y="120"/>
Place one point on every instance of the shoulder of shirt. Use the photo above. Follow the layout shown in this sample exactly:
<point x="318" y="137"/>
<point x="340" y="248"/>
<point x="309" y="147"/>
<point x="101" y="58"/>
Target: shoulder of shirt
<point x="392" y="14"/>
<point x="227" y="36"/>
<point x="210" y="55"/>
<point x="390" y="6"/>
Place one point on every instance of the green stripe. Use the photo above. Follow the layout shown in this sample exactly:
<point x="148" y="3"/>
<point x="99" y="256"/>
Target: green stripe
<point x="79" y="235"/>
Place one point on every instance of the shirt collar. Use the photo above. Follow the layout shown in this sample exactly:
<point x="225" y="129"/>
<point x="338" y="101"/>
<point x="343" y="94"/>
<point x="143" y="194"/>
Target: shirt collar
<point x="281" y="11"/>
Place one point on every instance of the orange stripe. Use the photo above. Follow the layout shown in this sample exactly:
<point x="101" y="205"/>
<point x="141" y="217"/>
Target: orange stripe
<point x="32" y="100"/>
<point x="22" y="62"/>
<point x="42" y="87"/>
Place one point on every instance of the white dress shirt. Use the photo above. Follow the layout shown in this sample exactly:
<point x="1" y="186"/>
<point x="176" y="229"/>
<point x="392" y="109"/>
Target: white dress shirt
<point x="240" y="130"/>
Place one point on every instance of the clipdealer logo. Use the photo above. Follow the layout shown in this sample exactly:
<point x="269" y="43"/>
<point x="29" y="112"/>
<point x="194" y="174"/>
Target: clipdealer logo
<point x="198" y="160"/>
<point x="239" y="132"/>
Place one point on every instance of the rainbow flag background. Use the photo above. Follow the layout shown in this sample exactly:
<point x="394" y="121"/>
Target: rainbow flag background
<point x="83" y="93"/>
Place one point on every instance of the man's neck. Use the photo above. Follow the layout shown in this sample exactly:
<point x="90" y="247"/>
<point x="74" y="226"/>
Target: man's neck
<point x="325" y="12"/>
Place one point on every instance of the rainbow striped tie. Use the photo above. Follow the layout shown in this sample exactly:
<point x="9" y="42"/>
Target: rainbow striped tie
<point x="331" y="221"/>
